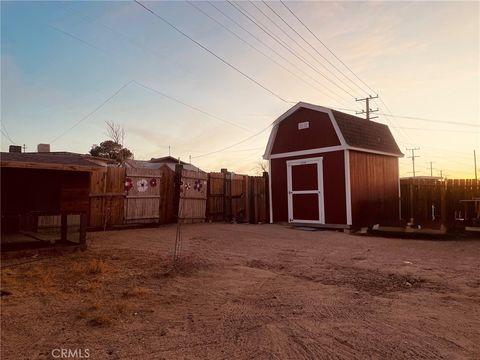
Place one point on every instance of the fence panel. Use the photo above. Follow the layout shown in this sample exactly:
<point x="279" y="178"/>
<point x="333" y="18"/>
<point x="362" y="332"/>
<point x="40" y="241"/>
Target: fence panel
<point x="433" y="202"/>
<point x="216" y="193"/>
<point x="107" y="197"/>
<point x="192" y="197"/>
<point x="142" y="203"/>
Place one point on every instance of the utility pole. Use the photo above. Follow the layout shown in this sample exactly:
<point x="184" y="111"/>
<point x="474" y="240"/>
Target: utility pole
<point x="441" y="174"/>
<point x="475" y="163"/>
<point x="413" y="158"/>
<point x="367" y="110"/>
<point x="431" y="169"/>
<point x="169" y="150"/>
<point x="189" y="159"/>
<point x="24" y="147"/>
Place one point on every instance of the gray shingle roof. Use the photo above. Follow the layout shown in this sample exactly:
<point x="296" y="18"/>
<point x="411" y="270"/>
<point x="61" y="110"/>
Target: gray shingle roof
<point x="366" y="134"/>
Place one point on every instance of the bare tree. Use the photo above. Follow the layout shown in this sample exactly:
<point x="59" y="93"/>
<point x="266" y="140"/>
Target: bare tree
<point x="115" y="132"/>
<point x="262" y="166"/>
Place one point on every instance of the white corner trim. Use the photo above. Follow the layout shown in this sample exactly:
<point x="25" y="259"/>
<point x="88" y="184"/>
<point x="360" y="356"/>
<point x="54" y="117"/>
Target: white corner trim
<point x="270" y="191"/>
<point x="307" y="152"/>
<point x="348" y="189"/>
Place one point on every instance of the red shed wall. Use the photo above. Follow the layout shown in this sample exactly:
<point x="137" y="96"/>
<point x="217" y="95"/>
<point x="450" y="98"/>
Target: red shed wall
<point x="333" y="184"/>
<point x="320" y="133"/>
<point x="374" y="189"/>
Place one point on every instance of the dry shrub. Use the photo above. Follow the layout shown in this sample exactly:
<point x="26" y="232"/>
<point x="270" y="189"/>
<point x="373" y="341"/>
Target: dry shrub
<point x="135" y="292"/>
<point x="90" y="286"/>
<point x="93" y="267"/>
<point x="96" y="314"/>
<point x="96" y="267"/>
<point x="100" y="320"/>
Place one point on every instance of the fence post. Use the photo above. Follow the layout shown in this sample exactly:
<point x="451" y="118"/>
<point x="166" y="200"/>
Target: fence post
<point x="83" y="228"/>
<point x="443" y="202"/>
<point x="411" y="201"/>
<point x="178" y="180"/>
<point x="267" y="196"/>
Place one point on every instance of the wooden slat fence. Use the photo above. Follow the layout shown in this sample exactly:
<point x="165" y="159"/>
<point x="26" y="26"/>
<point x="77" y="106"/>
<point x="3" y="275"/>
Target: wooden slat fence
<point x="433" y="202"/>
<point x="107" y="197"/>
<point x="123" y="196"/>
<point x="192" y="195"/>
<point x="237" y="198"/>
<point x="142" y="203"/>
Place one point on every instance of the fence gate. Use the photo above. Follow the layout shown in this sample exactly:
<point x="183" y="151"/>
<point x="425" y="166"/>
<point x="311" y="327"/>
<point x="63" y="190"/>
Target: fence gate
<point x="142" y="203"/>
<point x="107" y="197"/>
<point x="192" y="196"/>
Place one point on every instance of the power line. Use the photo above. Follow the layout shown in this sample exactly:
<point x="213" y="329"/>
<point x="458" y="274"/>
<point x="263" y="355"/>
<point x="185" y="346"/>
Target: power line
<point x="191" y="106"/>
<point x="432" y="120"/>
<point x="233" y="145"/>
<point x="326" y="47"/>
<point x="257" y="49"/>
<point x="282" y="43"/>
<point x="92" y="112"/>
<point x="211" y="52"/>
<point x="343" y="63"/>
<point x="6" y="134"/>
<point x="309" y="44"/>
<point x="76" y="38"/>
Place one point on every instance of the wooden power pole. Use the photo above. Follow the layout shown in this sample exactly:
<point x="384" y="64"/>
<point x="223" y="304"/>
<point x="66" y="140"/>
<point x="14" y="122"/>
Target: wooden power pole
<point x="413" y="158"/>
<point x="367" y="110"/>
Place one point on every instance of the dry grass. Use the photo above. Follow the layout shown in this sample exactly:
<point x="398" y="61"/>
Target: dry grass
<point x="97" y="314"/>
<point x="135" y="292"/>
<point x="92" y="267"/>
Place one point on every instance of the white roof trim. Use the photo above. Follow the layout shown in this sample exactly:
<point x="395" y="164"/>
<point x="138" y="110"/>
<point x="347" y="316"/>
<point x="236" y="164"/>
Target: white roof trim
<point x="344" y="145"/>
<point x="308" y="152"/>
<point x="289" y="112"/>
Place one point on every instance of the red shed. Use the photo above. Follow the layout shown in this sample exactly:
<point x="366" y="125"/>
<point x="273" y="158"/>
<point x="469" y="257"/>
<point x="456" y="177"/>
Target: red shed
<point x="332" y="169"/>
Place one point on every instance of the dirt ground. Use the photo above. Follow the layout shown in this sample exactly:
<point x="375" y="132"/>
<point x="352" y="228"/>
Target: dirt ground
<point x="246" y="292"/>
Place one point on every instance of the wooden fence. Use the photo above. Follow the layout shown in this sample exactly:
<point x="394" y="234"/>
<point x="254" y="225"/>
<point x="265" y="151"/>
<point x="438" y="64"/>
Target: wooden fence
<point x="434" y="202"/>
<point x="123" y="196"/>
<point x="107" y="197"/>
<point x="237" y="198"/>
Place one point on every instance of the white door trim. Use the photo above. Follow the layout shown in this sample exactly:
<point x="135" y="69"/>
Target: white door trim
<point x="290" y="192"/>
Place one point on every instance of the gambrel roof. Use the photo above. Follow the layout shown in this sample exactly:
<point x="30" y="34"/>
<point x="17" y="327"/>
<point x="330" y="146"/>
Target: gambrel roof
<point x="354" y="133"/>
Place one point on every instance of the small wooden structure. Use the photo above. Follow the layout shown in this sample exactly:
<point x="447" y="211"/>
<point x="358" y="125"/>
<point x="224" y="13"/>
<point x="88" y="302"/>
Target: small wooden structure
<point x="332" y="169"/>
<point x="45" y="191"/>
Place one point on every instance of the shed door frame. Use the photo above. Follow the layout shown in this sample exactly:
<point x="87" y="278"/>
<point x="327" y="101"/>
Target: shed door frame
<point x="321" y="205"/>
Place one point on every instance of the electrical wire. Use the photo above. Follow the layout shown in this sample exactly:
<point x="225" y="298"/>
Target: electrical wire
<point x="191" y="106"/>
<point x="326" y="47"/>
<point x="282" y="43"/>
<point x="257" y="49"/>
<point x="301" y="47"/>
<point x="212" y="53"/>
<point x="92" y="112"/>
<point x="235" y="144"/>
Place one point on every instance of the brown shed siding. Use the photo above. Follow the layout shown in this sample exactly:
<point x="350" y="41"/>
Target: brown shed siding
<point x="320" y="133"/>
<point x="374" y="188"/>
<point x="333" y="186"/>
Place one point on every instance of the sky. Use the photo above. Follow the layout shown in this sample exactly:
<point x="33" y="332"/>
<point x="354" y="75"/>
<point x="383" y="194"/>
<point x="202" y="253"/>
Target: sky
<point x="68" y="67"/>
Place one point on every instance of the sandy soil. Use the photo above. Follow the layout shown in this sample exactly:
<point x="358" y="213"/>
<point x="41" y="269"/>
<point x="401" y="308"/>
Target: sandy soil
<point x="247" y="292"/>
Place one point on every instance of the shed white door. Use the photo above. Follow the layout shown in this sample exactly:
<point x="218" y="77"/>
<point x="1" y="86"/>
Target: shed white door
<point x="305" y="191"/>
